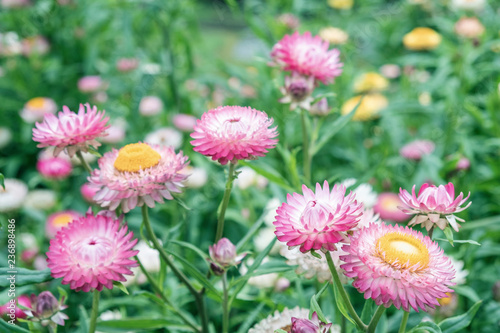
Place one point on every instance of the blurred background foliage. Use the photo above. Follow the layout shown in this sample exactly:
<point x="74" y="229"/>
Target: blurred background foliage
<point x="196" y="55"/>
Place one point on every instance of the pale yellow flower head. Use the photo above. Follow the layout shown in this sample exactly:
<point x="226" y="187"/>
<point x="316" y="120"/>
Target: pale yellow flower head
<point x="422" y="39"/>
<point x="341" y="4"/>
<point x="370" y="106"/>
<point x="370" y="82"/>
<point x="334" y="35"/>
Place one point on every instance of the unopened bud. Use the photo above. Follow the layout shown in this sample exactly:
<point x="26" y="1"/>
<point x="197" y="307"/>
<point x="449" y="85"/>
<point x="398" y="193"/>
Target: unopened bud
<point x="302" y="325"/>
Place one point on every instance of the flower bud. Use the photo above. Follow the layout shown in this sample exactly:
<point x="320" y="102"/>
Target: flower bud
<point x="46" y="309"/>
<point x="320" y="108"/>
<point x="46" y="304"/>
<point x="297" y="91"/>
<point x="223" y="255"/>
<point x="300" y="325"/>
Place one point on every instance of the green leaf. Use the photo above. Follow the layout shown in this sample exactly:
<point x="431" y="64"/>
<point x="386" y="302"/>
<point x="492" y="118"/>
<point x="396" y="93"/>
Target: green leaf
<point x="2" y="181"/>
<point x="94" y="151"/>
<point x="449" y="234"/>
<point x="62" y="294"/>
<point x="252" y="231"/>
<point x="322" y="290"/>
<point x="192" y="247"/>
<point x="467" y="292"/>
<point x="314" y="307"/>
<point x="120" y="286"/>
<point x="334" y="129"/>
<point x="84" y="319"/>
<point x="140" y="324"/>
<point x="368" y="310"/>
<point x="426" y="327"/>
<point x="341" y="305"/>
<point x="270" y="174"/>
<point x="458" y="323"/>
<point x="6" y="327"/>
<point x="195" y="273"/>
<point x="250" y="318"/>
<point x="315" y="254"/>
<point x="460" y="241"/>
<point x="23" y="276"/>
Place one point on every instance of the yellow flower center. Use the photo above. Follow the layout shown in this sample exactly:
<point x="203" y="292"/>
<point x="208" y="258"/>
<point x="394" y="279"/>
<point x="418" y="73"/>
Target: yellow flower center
<point x="136" y="156"/>
<point x="62" y="220"/>
<point x="36" y="103"/>
<point x="402" y="250"/>
<point x="445" y="300"/>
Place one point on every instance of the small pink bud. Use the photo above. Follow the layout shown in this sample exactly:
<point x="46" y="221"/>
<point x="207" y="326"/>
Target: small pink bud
<point x="54" y="168"/>
<point x="320" y="108"/>
<point x="300" y="325"/>
<point x="223" y="254"/>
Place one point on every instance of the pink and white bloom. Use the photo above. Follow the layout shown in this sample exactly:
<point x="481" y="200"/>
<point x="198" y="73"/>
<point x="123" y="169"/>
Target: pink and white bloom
<point x="35" y="45"/>
<point x="416" y="149"/>
<point x="165" y="136"/>
<point x="184" y="122"/>
<point x="298" y="91"/>
<point x="150" y="106"/>
<point x="395" y="265"/>
<point x="54" y="168"/>
<point x="318" y="220"/>
<point x="434" y="205"/>
<point x="232" y="133"/>
<point x="138" y="174"/>
<point x="36" y="108"/>
<point x="90" y="84"/>
<point x="387" y="207"/>
<point x="308" y="56"/>
<point x="59" y="220"/>
<point x="91" y="253"/>
<point x="70" y="130"/>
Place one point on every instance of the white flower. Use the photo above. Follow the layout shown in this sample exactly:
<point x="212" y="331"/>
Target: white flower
<point x="263" y="238"/>
<point x="259" y="281"/>
<point x="364" y="192"/>
<point x="279" y="320"/>
<point x="149" y="258"/>
<point x="12" y="197"/>
<point x="271" y="207"/>
<point x="460" y="272"/>
<point x="5" y="137"/>
<point x="311" y="266"/>
<point x="197" y="176"/>
<point x="40" y="199"/>
<point x="248" y="177"/>
<point x="165" y="136"/>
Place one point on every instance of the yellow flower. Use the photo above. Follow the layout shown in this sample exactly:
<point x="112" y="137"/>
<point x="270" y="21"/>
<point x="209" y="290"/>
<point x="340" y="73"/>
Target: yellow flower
<point x="334" y="35"/>
<point x="369" y="108"/>
<point x="370" y="81"/>
<point x="341" y="4"/>
<point x="421" y="39"/>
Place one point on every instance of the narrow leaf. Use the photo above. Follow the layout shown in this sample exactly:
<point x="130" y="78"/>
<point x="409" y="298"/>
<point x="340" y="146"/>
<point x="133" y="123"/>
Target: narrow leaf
<point x="23" y="276"/>
<point x="458" y="323"/>
<point x="426" y="327"/>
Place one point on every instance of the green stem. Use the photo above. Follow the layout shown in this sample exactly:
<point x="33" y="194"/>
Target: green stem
<point x="402" y="327"/>
<point x="180" y="275"/>
<point x="225" y="202"/>
<point x="343" y="294"/>
<point x="376" y="317"/>
<point x="305" y="147"/>
<point x="165" y="299"/>
<point x="85" y="165"/>
<point x="225" y="308"/>
<point x="430" y="232"/>
<point x="95" y="311"/>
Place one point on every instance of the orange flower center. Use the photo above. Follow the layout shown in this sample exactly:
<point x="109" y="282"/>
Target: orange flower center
<point x="445" y="300"/>
<point x="36" y="103"/>
<point x="402" y="250"/>
<point x="136" y="156"/>
<point x="62" y="220"/>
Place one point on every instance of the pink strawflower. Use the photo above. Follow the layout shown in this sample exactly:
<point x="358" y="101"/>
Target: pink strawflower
<point x="88" y="191"/>
<point x="90" y="84"/>
<point x="184" y="122"/>
<point x="416" y="149"/>
<point x="150" y="106"/>
<point x="434" y="205"/>
<point x="463" y="163"/>
<point x="136" y="174"/>
<point x="54" y="168"/>
<point x="91" y="253"/>
<point x="59" y="220"/>
<point x="397" y="265"/>
<point x="387" y="207"/>
<point x="232" y="133"/>
<point x="318" y="220"/>
<point x="307" y="55"/>
<point x="11" y="311"/>
<point x="127" y="64"/>
<point x="70" y="130"/>
<point x="35" y="109"/>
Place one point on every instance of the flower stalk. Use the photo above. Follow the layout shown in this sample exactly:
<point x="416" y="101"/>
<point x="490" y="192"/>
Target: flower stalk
<point x="200" y="304"/>
<point x="225" y="202"/>
<point x="95" y="311"/>
<point x="375" y="319"/>
<point x="343" y="294"/>
<point x="305" y="147"/>
<point x="402" y="327"/>
<point x="85" y="165"/>
<point x="225" y="305"/>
